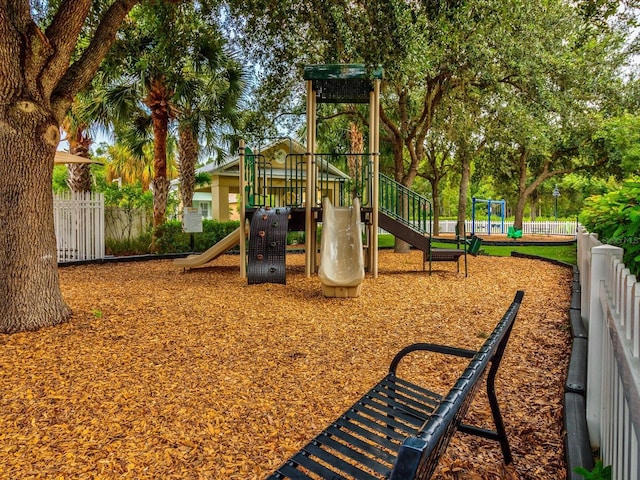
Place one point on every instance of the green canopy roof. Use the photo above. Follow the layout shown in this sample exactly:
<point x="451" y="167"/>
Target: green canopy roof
<point x="340" y="72"/>
<point x="349" y="83"/>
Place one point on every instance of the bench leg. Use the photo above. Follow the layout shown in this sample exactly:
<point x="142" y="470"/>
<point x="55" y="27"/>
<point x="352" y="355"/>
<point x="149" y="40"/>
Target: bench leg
<point x="501" y="434"/>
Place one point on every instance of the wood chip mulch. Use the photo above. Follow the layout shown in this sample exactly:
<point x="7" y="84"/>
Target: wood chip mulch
<point x="165" y="374"/>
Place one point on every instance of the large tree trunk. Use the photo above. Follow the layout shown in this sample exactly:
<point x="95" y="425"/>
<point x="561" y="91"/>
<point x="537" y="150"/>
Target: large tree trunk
<point x="522" y="190"/>
<point x="435" y="192"/>
<point x="465" y="170"/>
<point x="38" y="82"/>
<point x="354" y="162"/>
<point x="30" y="295"/>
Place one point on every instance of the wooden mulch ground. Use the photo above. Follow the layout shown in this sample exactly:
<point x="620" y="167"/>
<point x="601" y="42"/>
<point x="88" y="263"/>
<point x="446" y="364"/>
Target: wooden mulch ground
<point x="163" y="374"/>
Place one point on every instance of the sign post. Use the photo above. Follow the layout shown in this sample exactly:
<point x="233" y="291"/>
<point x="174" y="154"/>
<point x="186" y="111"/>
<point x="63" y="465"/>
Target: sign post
<point x="192" y="222"/>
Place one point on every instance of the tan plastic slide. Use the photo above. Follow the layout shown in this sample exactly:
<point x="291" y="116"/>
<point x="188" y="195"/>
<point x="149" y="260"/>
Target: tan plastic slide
<point x="341" y="258"/>
<point x="212" y="253"/>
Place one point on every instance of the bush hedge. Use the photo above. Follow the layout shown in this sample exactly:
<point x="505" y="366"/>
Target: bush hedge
<point x="615" y="217"/>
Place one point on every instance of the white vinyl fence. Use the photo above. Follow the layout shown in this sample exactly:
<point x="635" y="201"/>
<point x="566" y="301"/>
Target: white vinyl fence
<point x="497" y="227"/>
<point x="610" y="306"/>
<point x="528" y="228"/>
<point x="79" y="225"/>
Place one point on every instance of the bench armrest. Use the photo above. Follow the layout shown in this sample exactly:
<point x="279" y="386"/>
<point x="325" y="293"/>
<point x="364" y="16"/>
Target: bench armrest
<point x="429" y="347"/>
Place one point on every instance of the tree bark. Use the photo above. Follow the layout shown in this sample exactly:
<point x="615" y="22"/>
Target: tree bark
<point x="37" y="86"/>
<point x="465" y="170"/>
<point x="522" y="189"/>
<point x="188" y="156"/>
<point x="79" y="179"/>
<point x="29" y="286"/>
<point x="435" y="200"/>
<point x="158" y="103"/>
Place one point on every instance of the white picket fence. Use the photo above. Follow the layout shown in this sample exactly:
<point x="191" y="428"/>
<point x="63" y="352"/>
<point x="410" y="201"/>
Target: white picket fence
<point x="79" y="225"/>
<point x="610" y="306"/>
<point x="528" y="228"/>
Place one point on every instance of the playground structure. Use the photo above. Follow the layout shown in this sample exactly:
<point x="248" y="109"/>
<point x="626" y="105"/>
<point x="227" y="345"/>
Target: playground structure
<point x="281" y="191"/>
<point x="296" y="185"/>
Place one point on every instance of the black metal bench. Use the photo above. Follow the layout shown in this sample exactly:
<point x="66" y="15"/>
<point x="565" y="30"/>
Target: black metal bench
<point x="399" y="430"/>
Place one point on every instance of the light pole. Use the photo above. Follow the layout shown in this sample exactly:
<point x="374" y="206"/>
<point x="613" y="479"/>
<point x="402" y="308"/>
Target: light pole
<point x="556" y="194"/>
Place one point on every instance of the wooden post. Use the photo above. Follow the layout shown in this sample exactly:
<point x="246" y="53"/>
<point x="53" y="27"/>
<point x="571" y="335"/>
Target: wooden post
<point x="310" y="188"/>
<point x="243" y="205"/>
<point x="374" y="150"/>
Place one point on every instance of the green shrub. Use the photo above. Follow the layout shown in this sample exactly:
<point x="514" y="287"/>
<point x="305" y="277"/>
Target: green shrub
<point x="615" y="217"/>
<point x="599" y="472"/>
<point x="128" y="246"/>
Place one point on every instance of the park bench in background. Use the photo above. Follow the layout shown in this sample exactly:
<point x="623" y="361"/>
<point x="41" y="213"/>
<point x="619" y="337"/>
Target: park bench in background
<point x="399" y="430"/>
<point x="470" y="246"/>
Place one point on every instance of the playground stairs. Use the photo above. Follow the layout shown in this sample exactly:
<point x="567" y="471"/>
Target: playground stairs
<point x="404" y="213"/>
<point x="404" y="231"/>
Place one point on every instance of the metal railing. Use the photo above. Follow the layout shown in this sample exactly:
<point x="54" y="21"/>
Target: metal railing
<point x="341" y="177"/>
<point x="528" y="228"/>
<point x="404" y="205"/>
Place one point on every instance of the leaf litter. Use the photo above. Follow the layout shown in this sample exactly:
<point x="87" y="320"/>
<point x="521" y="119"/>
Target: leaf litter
<point x="196" y="375"/>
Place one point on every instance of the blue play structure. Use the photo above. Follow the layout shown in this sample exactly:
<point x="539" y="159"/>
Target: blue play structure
<point x="489" y="203"/>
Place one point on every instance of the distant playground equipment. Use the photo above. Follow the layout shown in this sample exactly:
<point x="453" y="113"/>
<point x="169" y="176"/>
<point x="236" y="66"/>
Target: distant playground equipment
<point x="281" y="191"/>
<point x="513" y="233"/>
<point x="223" y="246"/>
<point x="341" y="269"/>
<point x="489" y="226"/>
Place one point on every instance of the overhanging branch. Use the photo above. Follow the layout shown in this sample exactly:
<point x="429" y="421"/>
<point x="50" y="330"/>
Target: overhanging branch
<point x="84" y="69"/>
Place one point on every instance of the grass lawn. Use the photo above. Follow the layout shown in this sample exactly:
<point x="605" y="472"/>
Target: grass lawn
<point x="564" y="253"/>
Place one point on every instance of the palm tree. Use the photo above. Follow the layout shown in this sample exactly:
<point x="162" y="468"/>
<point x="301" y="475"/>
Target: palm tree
<point x="207" y="105"/>
<point x="171" y="66"/>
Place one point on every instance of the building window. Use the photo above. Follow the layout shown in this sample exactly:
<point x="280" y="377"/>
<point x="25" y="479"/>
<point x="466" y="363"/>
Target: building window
<point x="204" y="208"/>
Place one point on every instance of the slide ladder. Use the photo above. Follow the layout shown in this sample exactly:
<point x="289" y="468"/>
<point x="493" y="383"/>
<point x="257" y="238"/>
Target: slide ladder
<point x="268" y="246"/>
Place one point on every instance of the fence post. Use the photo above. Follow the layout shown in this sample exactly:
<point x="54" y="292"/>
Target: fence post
<point x="600" y="259"/>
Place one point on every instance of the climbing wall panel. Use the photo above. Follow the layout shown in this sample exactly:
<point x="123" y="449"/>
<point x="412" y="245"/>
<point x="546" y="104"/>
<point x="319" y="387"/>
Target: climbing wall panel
<point x="267" y="246"/>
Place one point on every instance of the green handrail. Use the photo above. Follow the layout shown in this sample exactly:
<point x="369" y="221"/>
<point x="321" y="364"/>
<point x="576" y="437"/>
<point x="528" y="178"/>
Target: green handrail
<point x="404" y="205"/>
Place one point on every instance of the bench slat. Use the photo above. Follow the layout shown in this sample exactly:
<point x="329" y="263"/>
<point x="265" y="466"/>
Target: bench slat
<point x="388" y="418"/>
<point x="412" y="388"/>
<point x="418" y="406"/>
<point x="338" y="463"/>
<point x="307" y="462"/>
<point x="394" y="408"/>
<point x="354" y="416"/>
<point x="371" y="448"/>
<point x="352" y="453"/>
<point x="382" y="441"/>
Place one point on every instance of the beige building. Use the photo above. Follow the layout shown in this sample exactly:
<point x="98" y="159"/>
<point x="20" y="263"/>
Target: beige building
<point x="277" y="178"/>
